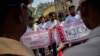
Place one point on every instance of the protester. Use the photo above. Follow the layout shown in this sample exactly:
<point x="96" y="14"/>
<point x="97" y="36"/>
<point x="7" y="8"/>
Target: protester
<point x="42" y="25"/>
<point x="60" y="22"/>
<point x="61" y="19"/>
<point x="90" y="14"/>
<point x="73" y="17"/>
<point x="52" y="23"/>
<point x="13" y="23"/>
<point x="30" y="24"/>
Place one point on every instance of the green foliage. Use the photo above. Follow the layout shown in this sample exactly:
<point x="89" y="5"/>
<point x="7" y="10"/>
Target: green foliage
<point x="39" y="10"/>
<point x="42" y="7"/>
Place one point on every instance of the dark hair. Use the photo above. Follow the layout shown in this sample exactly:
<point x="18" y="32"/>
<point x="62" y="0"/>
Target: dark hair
<point x="5" y="10"/>
<point x="51" y="14"/>
<point x="7" y="5"/>
<point x="71" y="7"/>
<point x="40" y="19"/>
<point x="60" y="15"/>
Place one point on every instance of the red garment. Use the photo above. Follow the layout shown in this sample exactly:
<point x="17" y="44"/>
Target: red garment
<point x="60" y="53"/>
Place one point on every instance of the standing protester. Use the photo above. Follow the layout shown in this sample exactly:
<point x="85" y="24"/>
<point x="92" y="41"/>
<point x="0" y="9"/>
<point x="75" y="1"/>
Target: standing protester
<point x="61" y="19"/>
<point x="52" y="23"/>
<point x="42" y="25"/>
<point x="73" y="17"/>
<point x="13" y="22"/>
<point x="30" y="24"/>
<point x="90" y="14"/>
<point x="60" y="22"/>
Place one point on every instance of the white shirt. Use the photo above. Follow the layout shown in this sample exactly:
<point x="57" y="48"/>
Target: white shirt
<point x="36" y="28"/>
<point x="28" y="29"/>
<point x="42" y="26"/>
<point x="61" y="23"/>
<point x="50" y="24"/>
<point x="71" y="19"/>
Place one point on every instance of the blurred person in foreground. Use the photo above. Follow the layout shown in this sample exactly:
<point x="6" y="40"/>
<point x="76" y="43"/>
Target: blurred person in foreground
<point x="90" y="13"/>
<point x="13" y="23"/>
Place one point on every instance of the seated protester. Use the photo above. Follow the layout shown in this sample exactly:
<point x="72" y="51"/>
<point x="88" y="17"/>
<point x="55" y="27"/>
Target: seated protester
<point x="90" y="14"/>
<point x="61" y="22"/>
<point x="13" y="23"/>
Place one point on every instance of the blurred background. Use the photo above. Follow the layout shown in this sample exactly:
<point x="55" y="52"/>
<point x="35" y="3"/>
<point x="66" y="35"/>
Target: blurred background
<point x="44" y="7"/>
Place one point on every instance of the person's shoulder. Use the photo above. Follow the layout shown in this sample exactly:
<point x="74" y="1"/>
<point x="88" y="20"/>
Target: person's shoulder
<point x="7" y="40"/>
<point x="48" y="22"/>
<point x="13" y="47"/>
<point x="89" y="48"/>
<point x="39" y="24"/>
<point x="68" y="16"/>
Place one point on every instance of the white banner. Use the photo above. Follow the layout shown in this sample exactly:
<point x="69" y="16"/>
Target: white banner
<point x="73" y="32"/>
<point x="35" y="40"/>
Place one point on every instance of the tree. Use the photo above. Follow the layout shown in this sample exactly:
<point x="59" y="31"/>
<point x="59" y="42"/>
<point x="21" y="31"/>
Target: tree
<point x="32" y="9"/>
<point x="42" y="7"/>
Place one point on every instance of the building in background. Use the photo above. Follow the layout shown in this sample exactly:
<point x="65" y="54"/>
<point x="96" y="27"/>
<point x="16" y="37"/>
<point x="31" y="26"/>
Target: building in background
<point x="60" y="6"/>
<point x="48" y="10"/>
<point x="63" y="5"/>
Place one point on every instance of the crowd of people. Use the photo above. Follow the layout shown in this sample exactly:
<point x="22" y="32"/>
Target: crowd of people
<point x="52" y="22"/>
<point x="15" y="20"/>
